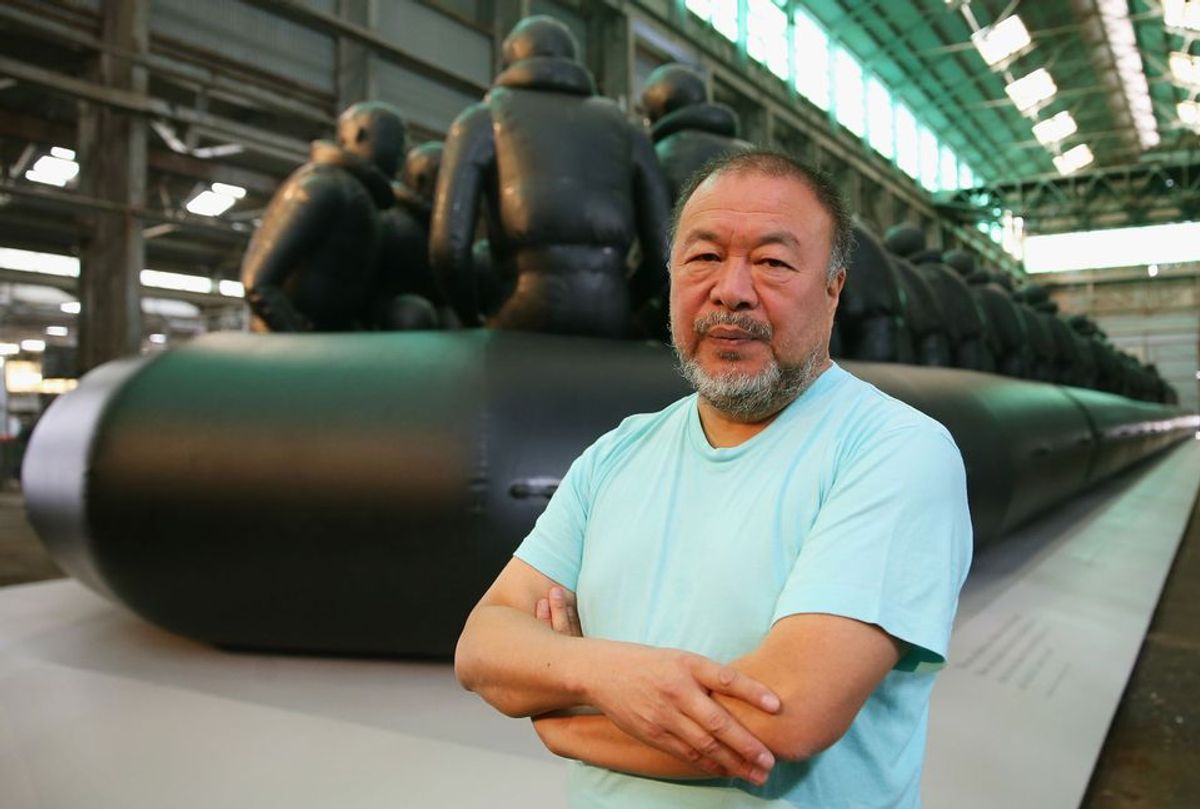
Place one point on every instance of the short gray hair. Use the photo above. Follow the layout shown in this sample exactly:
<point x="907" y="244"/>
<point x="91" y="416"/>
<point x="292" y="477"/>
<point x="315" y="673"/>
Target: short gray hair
<point x="775" y="163"/>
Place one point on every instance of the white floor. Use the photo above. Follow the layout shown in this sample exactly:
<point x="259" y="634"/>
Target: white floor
<point x="99" y="710"/>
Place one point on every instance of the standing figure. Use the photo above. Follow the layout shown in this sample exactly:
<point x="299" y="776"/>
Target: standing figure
<point x="311" y="263"/>
<point x="688" y="130"/>
<point x="569" y="183"/>
<point x="405" y="295"/>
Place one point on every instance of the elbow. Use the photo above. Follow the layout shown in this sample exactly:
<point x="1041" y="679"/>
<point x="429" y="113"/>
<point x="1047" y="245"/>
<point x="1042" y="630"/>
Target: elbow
<point x="800" y="741"/>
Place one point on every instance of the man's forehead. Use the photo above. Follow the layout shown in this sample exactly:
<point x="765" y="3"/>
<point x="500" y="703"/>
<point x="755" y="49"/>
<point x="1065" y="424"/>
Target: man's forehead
<point x="787" y="200"/>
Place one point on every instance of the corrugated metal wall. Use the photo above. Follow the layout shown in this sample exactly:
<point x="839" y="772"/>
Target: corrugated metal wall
<point x="244" y="33"/>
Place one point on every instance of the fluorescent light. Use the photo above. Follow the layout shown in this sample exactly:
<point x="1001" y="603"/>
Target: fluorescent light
<point x="33" y="346"/>
<point x="1074" y="159"/>
<point x="1189" y="113"/>
<point x="158" y="339"/>
<point x="48" y="263"/>
<point x="58" y="385"/>
<point x="62" y="152"/>
<point x="227" y="190"/>
<point x="169" y="308"/>
<point x="177" y="281"/>
<point x="8" y="349"/>
<point x="1152" y="270"/>
<point x="1118" y="29"/>
<point x="52" y="171"/>
<point x="22" y="376"/>
<point x="1000" y="41"/>
<point x="1181" y="15"/>
<point x="1185" y="68"/>
<point x="209" y="203"/>
<point x="1032" y="90"/>
<point x="231" y="289"/>
<point x="70" y="307"/>
<point x="56" y="331"/>
<point x="1053" y="130"/>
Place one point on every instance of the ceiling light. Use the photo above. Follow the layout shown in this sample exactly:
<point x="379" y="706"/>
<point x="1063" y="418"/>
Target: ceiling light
<point x="1000" y="41"/>
<point x="1074" y="159"/>
<point x="218" y="199"/>
<point x="1152" y="270"/>
<point x="1185" y="68"/>
<point x="1181" y="15"/>
<point x="1122" y="41"/>
<point x="33" y="346"/>
<point x="29" y="261"/>
<point x="158" y="339"/>
<point x="62" y="152"/>
<point x="1053" y="130"/>
<point x="227" y="190"/>
<point x="177" y="281"/>
<point x="53" y="170"/>
<point x="1032" y="90"/>
<point x="1189" y="113"/>
<point x="56" y="331"/>
<point x="8" y="349"/>
<point x="70" y="307"/>
<point x="231" y="289"/>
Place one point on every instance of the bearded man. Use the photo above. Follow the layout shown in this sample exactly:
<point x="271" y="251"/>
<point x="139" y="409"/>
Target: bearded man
<point x="740" y="600"/>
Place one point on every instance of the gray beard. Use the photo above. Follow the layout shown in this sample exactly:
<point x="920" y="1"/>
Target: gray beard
<point x="749" y="398"/>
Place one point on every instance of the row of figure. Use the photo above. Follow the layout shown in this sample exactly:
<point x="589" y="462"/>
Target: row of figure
<point x="528" y="217"/>
<point x="906" y="302"/>
<point x="563" y="183"/>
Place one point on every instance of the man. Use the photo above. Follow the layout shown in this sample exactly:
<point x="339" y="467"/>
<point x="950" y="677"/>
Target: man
<point x="766" y="572"/>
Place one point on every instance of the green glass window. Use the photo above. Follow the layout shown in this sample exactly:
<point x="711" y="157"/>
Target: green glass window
<point x="720" y="14"/>
<point x="948" y="178"/>
<point x="849" y="96"/>
<point x="812" y="59"/>
<point x="880" y="123"/>
<point x="930" y="158"/>
<point x="766" y="35"/>
<point x="908" y="147"/>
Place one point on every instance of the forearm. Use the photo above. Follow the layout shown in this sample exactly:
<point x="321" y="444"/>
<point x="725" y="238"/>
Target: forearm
<point x="594" y="739"/>
<point x="519" y="665"/>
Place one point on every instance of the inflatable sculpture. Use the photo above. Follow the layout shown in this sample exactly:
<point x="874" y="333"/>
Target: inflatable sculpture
<point x="569" y="184"/>
<point x="309" y="266"/>
<point x="870" y="316"/>
<point x="1008" y="342"/>
<point x="404" y="294"/>
<point x="687" y="128"/>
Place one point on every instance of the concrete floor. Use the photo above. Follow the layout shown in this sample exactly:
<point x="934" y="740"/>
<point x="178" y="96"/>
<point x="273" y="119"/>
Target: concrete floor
<point x="1150" y="759"/>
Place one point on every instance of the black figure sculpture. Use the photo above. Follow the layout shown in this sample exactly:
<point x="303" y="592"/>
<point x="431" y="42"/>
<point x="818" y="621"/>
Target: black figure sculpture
<point x="309" y="266"/>
<point x="1008" y="340"/>
<point x="688" y="130"/>
<point x="964" y="322"/>
<point x="569" y="184"/>
<point x="870" y="314"/>
<point x="405" y="295"/>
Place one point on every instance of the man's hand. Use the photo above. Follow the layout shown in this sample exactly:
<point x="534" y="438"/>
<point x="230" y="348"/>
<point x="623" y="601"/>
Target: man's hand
<point x="663" y="698"/>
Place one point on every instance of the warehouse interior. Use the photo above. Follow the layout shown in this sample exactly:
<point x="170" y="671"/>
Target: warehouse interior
<point x="1056" y="142"/>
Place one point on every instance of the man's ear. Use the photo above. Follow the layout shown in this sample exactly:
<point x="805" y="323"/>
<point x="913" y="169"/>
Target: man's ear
<point x="834" y="287"/>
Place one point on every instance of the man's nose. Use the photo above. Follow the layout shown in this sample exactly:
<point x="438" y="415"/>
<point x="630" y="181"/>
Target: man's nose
<point x="734" y="287"/>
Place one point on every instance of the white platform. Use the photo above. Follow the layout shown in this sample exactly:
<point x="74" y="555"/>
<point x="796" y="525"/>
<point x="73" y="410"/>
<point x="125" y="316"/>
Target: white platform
<point x="99" y="710"/>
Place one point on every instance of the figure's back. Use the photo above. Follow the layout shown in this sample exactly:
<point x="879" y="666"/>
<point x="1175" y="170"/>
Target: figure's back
<point x="564" y="169"/>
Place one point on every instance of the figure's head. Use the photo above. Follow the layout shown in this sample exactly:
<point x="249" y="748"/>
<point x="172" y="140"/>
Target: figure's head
<point x="374" y="131"/>
<point x="759" y="249"/>
<point x="539" y="35"/>
<point x="671" y="87"/>
<point x="421" y="167"/>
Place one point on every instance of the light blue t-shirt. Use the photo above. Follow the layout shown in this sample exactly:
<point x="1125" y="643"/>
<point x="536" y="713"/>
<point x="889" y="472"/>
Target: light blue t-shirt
<point x="850" y="503"/>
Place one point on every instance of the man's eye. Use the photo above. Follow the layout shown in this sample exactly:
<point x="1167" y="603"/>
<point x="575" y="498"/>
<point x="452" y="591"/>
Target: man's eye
<point x="705" y="257"/>
<point x="775" y="263"/>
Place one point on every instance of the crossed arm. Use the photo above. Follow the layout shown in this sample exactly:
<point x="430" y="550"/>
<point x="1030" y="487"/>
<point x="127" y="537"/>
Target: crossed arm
<point x="665" y="712"/>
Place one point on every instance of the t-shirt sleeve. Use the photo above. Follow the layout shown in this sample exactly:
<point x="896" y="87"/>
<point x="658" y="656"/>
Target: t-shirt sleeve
<point x="555" y="545"/>
<point x="891" y="544"/>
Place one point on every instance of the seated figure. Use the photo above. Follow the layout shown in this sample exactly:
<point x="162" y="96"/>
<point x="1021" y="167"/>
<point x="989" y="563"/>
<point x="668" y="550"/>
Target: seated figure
<point x="963" y="320"/>
<point x="311" y="264"/>
<point x="870" y="315"/>
<point x="405" y="295"/>
<point x="688" y="130"/>
<point x="1008" y="340"/>
<point x="569" y="183"/>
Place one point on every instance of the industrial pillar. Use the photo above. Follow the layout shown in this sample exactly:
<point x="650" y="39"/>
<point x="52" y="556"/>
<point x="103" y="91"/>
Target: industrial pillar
<point x="355" y="63"/>
<point x="610" y="41"/>
<point x="112" y="158"/>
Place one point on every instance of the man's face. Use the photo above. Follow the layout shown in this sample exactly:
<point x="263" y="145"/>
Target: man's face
<point x="749" y="295"/>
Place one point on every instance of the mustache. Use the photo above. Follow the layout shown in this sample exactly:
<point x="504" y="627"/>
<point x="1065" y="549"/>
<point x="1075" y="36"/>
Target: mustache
<point x="756" y="329"/>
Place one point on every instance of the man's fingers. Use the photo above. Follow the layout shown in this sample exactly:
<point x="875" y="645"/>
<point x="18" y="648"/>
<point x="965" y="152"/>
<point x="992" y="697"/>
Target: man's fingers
<point x="719" y="724"/>
<point x="542" y="611"/>
<point x="562" y="613"/>
<point x="705" y="746"/>
<point x="732" y="683"/>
